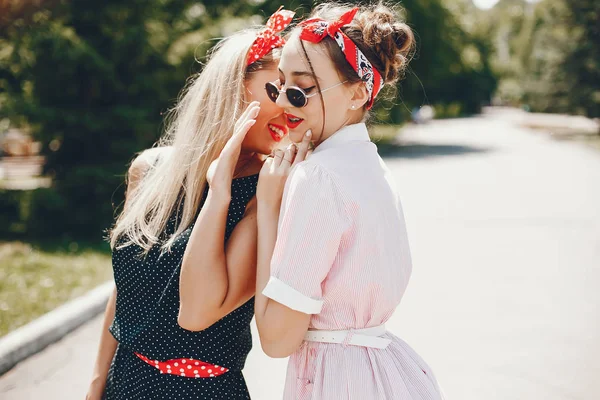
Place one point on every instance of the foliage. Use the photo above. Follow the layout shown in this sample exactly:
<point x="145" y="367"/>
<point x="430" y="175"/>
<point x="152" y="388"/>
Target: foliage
<point x="547" y="54"/>
<point x="453" y="52"/>
<point x="94" y="78"/>
<point x="91" y="80"/>
<point x="583" y="65"/>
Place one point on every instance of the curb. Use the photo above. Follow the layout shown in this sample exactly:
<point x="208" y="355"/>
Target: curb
<point x="51" y="327"/>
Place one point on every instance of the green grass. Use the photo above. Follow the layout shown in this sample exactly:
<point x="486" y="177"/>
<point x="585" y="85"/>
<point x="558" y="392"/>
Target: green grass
<point x="35" y="279"/>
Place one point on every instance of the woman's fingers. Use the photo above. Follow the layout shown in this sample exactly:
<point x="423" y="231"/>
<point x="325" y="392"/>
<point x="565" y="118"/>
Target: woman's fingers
<point x="288" y="156"/>
<point x="266" y="167"/>
<point x="242" y="126"/>
<point x="250" y="114"/>
<point x="303" y="147"/>
<point x="250" y="111"/>
<point x="277" y="157"/>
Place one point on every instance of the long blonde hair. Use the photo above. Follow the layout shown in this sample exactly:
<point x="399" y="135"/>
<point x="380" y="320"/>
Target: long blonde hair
<point x="197" y="129"/>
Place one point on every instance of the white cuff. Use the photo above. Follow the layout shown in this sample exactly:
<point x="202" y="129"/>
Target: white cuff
<point x="290" y="297"/>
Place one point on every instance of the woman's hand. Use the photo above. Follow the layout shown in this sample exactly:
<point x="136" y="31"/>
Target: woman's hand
<point x="275" y="171"/>
<point x="220" y="173"/>
<point x="95" y="391"/>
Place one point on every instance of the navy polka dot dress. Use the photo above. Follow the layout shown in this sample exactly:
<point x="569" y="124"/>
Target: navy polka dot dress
<point x="146" y="323"/>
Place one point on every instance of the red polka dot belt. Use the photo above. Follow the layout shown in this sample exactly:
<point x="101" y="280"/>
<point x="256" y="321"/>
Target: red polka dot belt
<point x="186" y="367"/>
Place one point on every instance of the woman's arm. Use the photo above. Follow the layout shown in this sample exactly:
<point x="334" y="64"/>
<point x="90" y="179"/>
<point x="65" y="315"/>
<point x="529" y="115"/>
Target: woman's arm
<point x="106" y="352"/>
<point x="281" y="329"/>
<point x="217" y="278"/>
<point x="108" y="344"/>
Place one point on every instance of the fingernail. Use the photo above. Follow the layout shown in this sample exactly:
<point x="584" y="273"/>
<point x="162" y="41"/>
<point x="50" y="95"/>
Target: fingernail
<point x="308" y="133"/>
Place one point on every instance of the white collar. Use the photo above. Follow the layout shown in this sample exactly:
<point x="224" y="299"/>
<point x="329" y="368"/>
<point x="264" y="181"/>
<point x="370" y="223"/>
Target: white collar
<point x="349" y="133"/>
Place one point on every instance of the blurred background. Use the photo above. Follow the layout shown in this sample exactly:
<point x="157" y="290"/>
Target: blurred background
<point x="84" y="86"/>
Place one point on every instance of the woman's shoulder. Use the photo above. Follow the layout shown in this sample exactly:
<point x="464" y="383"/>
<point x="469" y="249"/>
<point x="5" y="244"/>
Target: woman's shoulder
<point x="314" y="171"/>
<point x="150" y="157"/>
<point x="317" y="178"/>
<point x="147" y="159"/>
<point x="142" y="163"/>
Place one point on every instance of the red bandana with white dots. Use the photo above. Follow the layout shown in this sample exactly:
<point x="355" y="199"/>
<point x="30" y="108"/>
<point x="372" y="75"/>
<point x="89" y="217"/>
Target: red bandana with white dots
<point x="186" y="367"/>
<point x="268" y="38"/>
<point x="316" y="29"/>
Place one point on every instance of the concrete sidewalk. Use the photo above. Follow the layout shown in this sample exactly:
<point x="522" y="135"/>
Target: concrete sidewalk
<point x="504" y="300"/>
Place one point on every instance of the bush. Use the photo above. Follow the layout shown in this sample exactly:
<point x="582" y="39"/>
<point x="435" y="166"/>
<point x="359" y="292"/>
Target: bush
<point x="13" y="206"/>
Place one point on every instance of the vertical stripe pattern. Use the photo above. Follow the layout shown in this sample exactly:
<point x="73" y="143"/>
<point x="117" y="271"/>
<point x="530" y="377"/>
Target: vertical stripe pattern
<point x="342" y="241"/>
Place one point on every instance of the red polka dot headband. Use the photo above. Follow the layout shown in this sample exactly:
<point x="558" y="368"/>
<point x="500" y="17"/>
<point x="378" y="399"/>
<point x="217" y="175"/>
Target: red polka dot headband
<point x="268" y="38"/>
<point x="316" y="29"/>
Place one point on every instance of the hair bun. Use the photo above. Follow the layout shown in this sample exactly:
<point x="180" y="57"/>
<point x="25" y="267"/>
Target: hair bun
<point x="379" y="32"/>
<point x="391" y="40"/>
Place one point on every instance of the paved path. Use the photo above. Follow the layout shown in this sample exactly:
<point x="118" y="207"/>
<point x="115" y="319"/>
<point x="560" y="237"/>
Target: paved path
<point x="504" y="302"/>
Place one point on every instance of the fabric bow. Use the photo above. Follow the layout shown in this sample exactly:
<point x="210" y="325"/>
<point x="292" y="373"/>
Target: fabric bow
<point x="315" y="30"/>
<point x="268" y="38"/>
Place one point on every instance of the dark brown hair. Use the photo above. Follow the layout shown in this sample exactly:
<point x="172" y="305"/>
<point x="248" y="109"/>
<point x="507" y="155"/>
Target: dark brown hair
<point x="378" y="31"/>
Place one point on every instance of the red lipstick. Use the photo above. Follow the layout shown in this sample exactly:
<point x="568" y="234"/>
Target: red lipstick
<point x="292" y="121"/>
<point x="277" y="132"/>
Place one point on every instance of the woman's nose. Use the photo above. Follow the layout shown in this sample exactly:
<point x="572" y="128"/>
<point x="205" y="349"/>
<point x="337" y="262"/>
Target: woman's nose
<point x="282" y="100"/>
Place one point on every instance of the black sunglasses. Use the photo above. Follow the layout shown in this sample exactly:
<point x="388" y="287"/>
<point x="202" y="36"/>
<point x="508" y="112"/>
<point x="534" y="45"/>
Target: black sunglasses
<point x="295" y="95"/>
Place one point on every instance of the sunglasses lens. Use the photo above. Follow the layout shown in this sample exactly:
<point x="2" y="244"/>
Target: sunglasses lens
<point x="296" y="97"/>
<point x="272" y="91"/>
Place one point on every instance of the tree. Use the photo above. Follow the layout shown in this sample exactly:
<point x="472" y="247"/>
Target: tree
<point x="547" y="44"/>
<point x="92" y="79"/>
<point x="583" y="65"/>
<point x="452" y="61"/>
<point x="547" y="54"/>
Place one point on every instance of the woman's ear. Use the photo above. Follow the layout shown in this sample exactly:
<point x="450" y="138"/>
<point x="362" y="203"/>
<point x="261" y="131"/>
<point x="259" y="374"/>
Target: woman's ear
<point x="360" y="96"/>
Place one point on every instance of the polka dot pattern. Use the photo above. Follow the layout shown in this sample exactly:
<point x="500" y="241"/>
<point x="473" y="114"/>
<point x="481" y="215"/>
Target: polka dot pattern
<point x="268" y="38"/>
<point x="146" y="323"/>
<point x="187" y="367"/>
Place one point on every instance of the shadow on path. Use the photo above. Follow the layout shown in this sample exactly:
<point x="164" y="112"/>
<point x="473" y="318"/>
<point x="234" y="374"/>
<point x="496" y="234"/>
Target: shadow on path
<point x="420" y="150"/>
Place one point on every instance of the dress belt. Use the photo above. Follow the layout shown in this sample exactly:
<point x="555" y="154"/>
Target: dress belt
<point x="186" y="367"/>
<point x="367" y="337"/>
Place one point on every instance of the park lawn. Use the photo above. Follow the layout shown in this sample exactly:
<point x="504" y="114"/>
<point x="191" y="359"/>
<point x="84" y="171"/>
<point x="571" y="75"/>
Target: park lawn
<point x="37" y="279"/>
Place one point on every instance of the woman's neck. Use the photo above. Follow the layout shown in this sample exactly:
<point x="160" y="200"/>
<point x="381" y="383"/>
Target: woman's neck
<point x="246" y="165"/>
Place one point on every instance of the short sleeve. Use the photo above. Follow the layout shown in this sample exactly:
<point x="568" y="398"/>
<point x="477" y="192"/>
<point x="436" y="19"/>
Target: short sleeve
<point x="310" y="229"/>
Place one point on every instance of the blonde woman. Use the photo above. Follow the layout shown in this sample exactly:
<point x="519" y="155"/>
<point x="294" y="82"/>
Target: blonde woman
<point x="334" y="267"/>
<point x="184" y="247"/>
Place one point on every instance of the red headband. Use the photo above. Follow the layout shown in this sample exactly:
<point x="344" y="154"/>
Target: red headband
<point x="268" y="38"/>
<point x="316" y="29"/>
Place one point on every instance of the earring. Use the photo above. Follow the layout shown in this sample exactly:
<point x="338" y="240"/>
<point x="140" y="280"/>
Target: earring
<point x="353" y="106"/>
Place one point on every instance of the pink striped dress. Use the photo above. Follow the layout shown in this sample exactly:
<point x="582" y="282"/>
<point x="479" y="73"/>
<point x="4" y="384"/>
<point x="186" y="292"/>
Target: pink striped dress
<point x="342" y="255"/>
